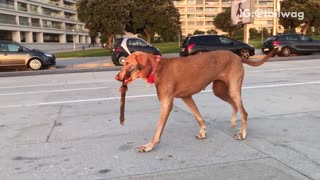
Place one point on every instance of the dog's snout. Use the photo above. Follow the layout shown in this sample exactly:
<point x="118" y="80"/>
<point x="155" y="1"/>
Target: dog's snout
<point x="117" y="77"/>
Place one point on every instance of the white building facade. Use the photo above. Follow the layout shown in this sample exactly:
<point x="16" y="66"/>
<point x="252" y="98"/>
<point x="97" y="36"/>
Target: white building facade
<point x="42" y="22"/>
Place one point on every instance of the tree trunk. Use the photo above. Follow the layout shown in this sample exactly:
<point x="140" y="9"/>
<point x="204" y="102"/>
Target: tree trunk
<point x="305" y="28"/>
<point x="110" y="40"/>
<point x="148" y="34"/>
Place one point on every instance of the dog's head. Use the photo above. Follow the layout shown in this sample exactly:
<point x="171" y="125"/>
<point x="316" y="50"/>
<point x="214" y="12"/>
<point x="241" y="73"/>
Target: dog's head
<point x="137" y="65"/>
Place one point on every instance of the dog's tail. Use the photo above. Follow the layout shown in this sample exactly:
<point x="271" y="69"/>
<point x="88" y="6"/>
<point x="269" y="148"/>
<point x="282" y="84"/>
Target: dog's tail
<point x="258" y="63"/>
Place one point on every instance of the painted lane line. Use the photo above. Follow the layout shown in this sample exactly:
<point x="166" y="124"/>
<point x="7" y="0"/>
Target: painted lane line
<point x="288" y="69"/>
<point x="53" y="91"/>
<point x="151" y="95"/>
<point x="77" y="101"/>
<point x="57" y="84"/>
<point x="111" y="80"/>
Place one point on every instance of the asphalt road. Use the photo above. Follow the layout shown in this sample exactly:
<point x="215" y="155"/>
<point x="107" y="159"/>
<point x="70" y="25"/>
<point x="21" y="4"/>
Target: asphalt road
<point x="66" y="126"/>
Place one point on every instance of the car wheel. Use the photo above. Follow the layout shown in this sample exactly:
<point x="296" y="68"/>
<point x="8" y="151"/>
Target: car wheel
<point x="115" y="62"/>
<point x="121" y="60"/>
<point x="244" y="53"/>
<point x="35" y="64"/>
<point x="286" y="51"/>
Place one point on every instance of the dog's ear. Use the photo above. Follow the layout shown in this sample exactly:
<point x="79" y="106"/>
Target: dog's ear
<point x="144" y="65"/>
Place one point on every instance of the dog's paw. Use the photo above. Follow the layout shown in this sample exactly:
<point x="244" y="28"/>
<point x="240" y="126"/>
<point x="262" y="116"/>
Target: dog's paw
<point x="233" y="124"/>
<point x="202" y="134"/>
<point x="241" y="136"/>
<point x="145" y="148"/>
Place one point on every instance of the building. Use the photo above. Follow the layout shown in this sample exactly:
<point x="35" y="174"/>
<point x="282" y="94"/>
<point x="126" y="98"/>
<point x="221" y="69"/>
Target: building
<point x="42" y="22"/>
<point x="199" y="14"/>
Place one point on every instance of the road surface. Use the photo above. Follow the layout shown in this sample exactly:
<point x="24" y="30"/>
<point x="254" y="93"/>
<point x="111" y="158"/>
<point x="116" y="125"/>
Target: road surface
<point x="66" y="126"/>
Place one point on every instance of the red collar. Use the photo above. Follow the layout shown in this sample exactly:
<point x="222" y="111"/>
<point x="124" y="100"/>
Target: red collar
<point x="154" y="68"/>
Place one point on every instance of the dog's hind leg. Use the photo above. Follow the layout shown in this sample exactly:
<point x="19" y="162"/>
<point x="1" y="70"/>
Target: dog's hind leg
<point x="190" y="103"/>
<point x="221" y="90"/>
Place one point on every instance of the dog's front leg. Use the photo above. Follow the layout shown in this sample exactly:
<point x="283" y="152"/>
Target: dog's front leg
<point x="166" y="107"/>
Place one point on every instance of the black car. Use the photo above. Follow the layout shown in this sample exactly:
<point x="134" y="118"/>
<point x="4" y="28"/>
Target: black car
<point x="203" y="43"/>
<point x="291" y="43"/>
<point x="14" y="54"/>
<point x="123" y="47"/>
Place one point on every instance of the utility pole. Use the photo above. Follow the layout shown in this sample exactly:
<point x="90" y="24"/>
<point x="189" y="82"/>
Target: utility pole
<point x="74" y="42"/>
<point x="275" y="17"/>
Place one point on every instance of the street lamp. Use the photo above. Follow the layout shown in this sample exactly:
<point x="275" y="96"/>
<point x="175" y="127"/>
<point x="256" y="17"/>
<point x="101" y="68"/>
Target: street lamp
<point x="74" y="42"/>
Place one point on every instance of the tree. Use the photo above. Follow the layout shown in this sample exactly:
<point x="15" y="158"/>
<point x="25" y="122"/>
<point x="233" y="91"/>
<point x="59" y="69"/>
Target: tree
<point x="223" y="21"/>
<point x="107" y="17"/>
<point x="212" y="31"/>
<point x="254" y="33"/>
<point x="198" y="32"/>
<point x="154" y="16"/>
<point x="308" y="11"/>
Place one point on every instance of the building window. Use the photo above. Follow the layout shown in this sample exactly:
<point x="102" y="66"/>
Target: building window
<point x="7" y="19"/>
<point x="5" y="35"/>
<point x="34" y="9"/>
<point x="8" y="4"/>
<point x="212" y="2"/>
<point x="211" y="9"/>
<point x="191" y="9"/>
<point x="191" y="2"/>
<point x="191" y="16"/>
<point x="48" y="37"/>
<point x="24" y="21"/>
<point x="199" y="1"/>
<point x="191" y="23"/>
<point x="199" y="9"/>
<point x="22" y="7"/>
<point x="35" y="22"/>
<point x="199" y="23"/>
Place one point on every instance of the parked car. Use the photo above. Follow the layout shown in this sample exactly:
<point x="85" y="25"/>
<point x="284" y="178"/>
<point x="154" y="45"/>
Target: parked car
<point x="291" y="43"/>
<point x="14" y="54"/>
<point x="123" y="47"/>
<point x="202" y="43"/>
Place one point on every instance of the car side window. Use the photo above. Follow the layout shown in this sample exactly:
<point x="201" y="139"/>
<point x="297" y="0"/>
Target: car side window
<point x="304" y="38"/>
<point x="225" y="40"/>
<point x="3" y="47"/>
<point x="292" y="37"/>
<point x="13" y="47"/>
<point x="136" y="42"/>
<point x="141" y="43"/>
<point x="205" y="40"/>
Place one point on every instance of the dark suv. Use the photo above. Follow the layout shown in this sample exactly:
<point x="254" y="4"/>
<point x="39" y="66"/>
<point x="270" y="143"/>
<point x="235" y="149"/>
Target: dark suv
<point x="203" y="43"/>
<point x="123" y="47"/>
<point x="291" y="43"/>
<point x="14" y="54"/>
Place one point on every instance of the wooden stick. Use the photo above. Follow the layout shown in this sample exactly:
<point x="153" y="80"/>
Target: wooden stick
<point x="123" y="89"/>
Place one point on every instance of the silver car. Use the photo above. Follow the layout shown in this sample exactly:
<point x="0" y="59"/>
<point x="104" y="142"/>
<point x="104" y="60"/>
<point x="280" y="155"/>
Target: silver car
<point x="14" y="54"/>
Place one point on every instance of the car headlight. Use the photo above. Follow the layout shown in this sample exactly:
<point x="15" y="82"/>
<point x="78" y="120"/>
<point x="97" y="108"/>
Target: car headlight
<point x="48" y="55"/>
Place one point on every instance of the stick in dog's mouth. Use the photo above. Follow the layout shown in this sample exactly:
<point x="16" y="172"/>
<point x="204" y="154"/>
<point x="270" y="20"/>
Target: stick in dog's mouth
<point x="123" y="89"/>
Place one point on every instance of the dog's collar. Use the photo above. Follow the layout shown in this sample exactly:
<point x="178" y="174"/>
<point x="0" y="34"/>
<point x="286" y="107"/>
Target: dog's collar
<point x="153" y="71"/>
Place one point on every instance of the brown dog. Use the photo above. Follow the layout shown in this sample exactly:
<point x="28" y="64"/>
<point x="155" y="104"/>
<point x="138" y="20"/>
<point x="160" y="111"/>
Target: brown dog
<point x="182" y="77"/>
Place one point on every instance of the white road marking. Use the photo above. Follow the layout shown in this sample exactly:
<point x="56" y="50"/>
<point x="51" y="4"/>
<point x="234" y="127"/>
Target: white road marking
<point x="112" y="80"/>
<point x="287" y="69"/>
<point x="56" y="84"/>
<point x="151" y="95"/>
<point x="53" y="91"/>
